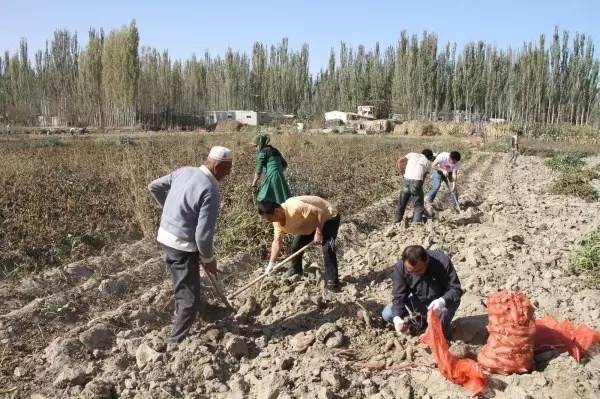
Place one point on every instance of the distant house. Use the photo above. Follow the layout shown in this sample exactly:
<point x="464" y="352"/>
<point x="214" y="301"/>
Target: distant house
<point x="51" y="121"/>
<point x="243" y="117"/>
<point x="251" y="118"/>
<point x="366" y="111"/>
<point x="341" y="116"/>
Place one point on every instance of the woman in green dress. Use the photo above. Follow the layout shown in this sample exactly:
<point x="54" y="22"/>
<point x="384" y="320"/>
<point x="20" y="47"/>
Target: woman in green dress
<point x="273" y="185"/>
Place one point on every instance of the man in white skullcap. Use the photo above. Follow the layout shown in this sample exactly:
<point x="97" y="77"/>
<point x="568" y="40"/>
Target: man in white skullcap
<point x="189" y="198"/>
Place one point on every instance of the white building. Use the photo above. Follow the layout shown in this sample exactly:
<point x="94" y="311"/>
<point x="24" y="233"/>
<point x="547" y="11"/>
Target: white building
<point x="366" y="111"/>
<point x="342" y="116"/>
<point x="243" y="117"/>
<point x="251" y="118"/>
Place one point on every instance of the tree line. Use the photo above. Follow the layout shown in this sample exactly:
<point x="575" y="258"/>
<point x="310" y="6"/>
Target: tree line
<point x="112" y="82"/>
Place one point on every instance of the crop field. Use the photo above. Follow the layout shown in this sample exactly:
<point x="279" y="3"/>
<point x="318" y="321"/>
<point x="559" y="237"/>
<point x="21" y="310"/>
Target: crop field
<point x="64" y="199"/>
<point x="73" y="205"/>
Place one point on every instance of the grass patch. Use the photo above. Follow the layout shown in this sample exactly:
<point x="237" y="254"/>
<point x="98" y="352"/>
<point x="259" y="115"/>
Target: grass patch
<point x="586" y="259"/>
<point x="530" y="146"/>
<point x="574" y="182"/>
<point x="562" y="162"/>
<point x="572" y="179"/>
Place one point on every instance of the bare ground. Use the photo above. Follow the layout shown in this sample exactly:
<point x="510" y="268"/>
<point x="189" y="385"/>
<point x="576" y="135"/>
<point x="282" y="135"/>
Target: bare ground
<point x="97" y="328"/>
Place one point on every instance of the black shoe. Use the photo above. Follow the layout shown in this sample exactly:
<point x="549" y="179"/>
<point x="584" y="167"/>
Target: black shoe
<point x="333" y="286"/>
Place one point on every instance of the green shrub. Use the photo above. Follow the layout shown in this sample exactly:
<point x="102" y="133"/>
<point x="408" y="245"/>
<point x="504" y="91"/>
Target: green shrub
<point x="560" y="162"/>
<point x="573" y="179"/>
<point x="587" y="258"/>
<point x="576" y="182"/>
<point x="575" y="187"/>
<point x="430" y="130"/>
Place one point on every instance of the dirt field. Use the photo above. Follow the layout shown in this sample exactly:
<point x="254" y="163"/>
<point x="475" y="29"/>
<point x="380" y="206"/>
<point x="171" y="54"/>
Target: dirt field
<point x="97" y="327"/>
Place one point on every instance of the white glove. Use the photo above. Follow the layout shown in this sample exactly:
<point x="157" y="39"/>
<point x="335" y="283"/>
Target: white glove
<point x="270" y="267"/>
<point x="400" y="325"/>
<point x="438" y="306"/>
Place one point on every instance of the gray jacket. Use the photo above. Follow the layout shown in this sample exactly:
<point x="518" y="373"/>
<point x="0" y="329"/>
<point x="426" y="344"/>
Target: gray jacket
<point x="190" y="200"/>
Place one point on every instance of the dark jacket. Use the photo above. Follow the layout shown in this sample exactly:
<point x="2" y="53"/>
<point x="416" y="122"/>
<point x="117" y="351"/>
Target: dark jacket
<point x="440" y="280"/>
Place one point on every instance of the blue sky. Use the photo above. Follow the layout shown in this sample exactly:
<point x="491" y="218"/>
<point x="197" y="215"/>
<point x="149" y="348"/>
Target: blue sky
<point x="187" y="27"/>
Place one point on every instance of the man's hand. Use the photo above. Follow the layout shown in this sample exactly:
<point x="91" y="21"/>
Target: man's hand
<point x="210" y="267"/>
<point x="318" y="237"/>
<point x="438" y="306"/>
<point x="269" y="267"/>
<point x="400" y="325"/>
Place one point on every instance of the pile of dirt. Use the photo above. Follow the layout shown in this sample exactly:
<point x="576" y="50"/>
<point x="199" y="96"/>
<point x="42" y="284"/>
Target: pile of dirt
<point x="290" y="339"/>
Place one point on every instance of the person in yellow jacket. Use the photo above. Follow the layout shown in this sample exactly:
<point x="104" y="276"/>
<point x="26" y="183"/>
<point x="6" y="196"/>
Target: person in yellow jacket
<point x="308" y="218"/>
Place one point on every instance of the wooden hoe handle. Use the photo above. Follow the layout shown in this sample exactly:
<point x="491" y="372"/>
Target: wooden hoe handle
<point x="265" y="274"/>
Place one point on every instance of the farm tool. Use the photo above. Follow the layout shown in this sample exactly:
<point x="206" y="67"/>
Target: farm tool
<point x="218" y="289"/>
<point x="265" y="274"/>
<point x="455" y="203"/>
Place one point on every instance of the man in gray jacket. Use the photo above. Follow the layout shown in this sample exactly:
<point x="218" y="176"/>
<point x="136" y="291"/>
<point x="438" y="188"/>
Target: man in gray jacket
<point x="189" y="198"/>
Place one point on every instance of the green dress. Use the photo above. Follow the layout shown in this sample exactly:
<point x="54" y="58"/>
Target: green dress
<point x="273" y="186"/>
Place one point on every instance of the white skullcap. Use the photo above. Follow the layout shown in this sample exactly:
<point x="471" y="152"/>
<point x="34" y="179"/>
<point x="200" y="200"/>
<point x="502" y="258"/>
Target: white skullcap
<point x="219" y="153"/>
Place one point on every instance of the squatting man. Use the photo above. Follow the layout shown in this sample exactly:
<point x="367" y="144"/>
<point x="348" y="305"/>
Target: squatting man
<point x="423" y="280"/>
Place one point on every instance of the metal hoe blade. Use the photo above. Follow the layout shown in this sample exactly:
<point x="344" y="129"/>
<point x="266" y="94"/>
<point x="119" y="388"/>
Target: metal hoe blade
<point x="218" y="289"/>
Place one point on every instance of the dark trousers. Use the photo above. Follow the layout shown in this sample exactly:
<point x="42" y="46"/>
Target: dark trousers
<point x="185" y="275"/>
<point x="411" y="189"/>
<point x="330" y="231"/>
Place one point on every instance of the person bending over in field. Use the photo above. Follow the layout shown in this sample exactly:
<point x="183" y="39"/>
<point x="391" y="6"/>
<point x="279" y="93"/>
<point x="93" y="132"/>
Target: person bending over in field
<point x="422" y="280"/>
<point x="274" y="186"/>
<point x="415" y="166"/>
<point x="308" y="218"/>
<point x="445" y="166"/>
<point x="190" y="199"/>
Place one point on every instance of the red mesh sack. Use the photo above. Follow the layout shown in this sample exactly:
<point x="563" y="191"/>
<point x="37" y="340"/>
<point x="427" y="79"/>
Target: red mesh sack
<point x="465" y="372"/>
<point x="564" y="336"/>
<point x="509" y="348"/>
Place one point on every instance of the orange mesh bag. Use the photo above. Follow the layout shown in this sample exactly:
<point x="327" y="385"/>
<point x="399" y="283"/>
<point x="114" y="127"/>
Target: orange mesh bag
<point x="465" y="372"/>
<point x="564" y="336"/>
<point x="509" y="348"/>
